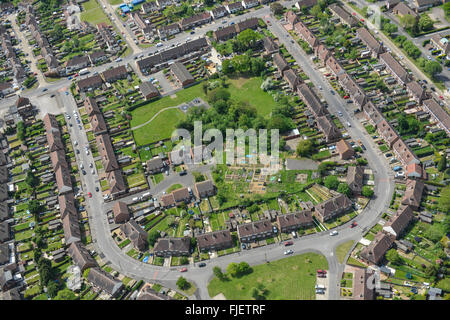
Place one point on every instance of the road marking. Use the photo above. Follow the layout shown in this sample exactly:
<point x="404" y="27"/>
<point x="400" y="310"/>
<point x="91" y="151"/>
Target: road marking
<point x="155" y="274"/>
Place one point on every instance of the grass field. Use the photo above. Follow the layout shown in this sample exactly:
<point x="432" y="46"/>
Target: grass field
<point x="248" y="90"/>
<point x="291" y="278"/>
<point x="116" y="2"/>
<point x="242" y="89"/>
<point x="342" y="250"/>
<point x="93" y="13"/>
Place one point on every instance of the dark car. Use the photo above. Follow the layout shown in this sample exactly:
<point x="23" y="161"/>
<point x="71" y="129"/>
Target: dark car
<point x="183" y="173"/>
<point x="288" y="243"/>
<point x="96" y="189"/>
<point x="363" y="147"/>
<point x="52" y="96"/>
<point x="202" y="264"/>
<point x="84" y="172"/>
<point x="388" y="155"/>
<point x="78" y="151"/>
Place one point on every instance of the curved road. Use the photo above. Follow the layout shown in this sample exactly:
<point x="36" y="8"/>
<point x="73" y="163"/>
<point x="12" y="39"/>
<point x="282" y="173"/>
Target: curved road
<point x="319" y="242"/>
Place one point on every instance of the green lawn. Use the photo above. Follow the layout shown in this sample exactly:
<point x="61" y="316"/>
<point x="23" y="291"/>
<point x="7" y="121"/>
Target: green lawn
<point x="342" y="250"/>
<point x="248" y="90"/>
<point x="291" y="278"/>
<point x="174" y="187"/>
<point x="93" y="13"/>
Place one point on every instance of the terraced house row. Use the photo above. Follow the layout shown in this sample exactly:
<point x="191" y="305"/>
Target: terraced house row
<point x="372" y="113"/>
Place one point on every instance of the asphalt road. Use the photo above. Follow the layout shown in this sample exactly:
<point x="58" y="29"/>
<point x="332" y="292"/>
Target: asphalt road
<point x="321" y="242"/>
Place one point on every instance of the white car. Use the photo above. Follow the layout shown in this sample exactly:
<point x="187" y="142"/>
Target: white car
<point x="333" y="233"/>
<point x="288" y="252"/>
<point x="87" y="152"/>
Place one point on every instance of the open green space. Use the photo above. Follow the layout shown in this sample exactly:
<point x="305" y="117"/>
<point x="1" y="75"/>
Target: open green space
<point x="291" y="278"/>
<point x="93" y="13"/>
<point x="342" y="250"/>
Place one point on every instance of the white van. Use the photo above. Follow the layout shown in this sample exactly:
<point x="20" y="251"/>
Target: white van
<point x="159" y="44"/>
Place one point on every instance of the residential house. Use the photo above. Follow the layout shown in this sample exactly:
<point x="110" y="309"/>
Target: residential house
<point x="116" y="182"/>
<point x="169" y="30"/>
<point x="204" y="189"/>
<point x="91" y="107"/>
<point x="328" y="128"/>
<point x="355" y="179"/>
<point x="415" y="171"/>
<point x="89" y="83"/>
<point x="306" y="34"/>
<point x="369" y="40"/>
<point x="224" y="34"/>
<point x="97" y="56"/>
<point x="394" y="67"/>
<point x="399" y="221"/>
<point x="322" y="52"/>
<point x="115" y="74"/>
<point x="163" y="3"/>
<point x="332" y="207"/>
<point x="253" y="231"/>
<point x="63" y="180"/>
<point x="390" y="4"/>
<point x="280" y="63"/>
<point x="149" y="7"/>
<point x="344" y="16"/>
<point x="402" y="9"/>
<point x="148" y="90"/>
<point x="413" y="193"/>
<point x="77" y="63"/>
<point x="104" y="281"/>
<point x="121" y="212"/>
<point x="294" y="221"/>
<point x="404" y="153"/>
<point x="438" y="113"/>
<point x="98" y="124"/>
<point x="387" y="132"/>
<point x="217" y="240"/>
<point x="24" y="107"/>
<point x="361" y="288"/>
<point x="375" y="251"/>
<point x="80" y="256"/>
<point x="71" y="229"/>
<point x="106" y="152"/>
<point x="441" y="43"/>
<point x="334" y="66"/>
<point x="247" y="4"/>
<point x="155" y="165"/>
<point x="311" y="100"/>
<point x="136" y="234"/>
<point x="292" y="79"/>
<point x="270" y="47"/>
<point x="218" y="12"/>
<point x="416" y="91"/>
<point x="195" y="20"/>
<point x="291" y="17"/>
<point x="6" y="88"/>
<point x="67" y="205"/>
<point x="422" y="5"/>
<point x="234" y="7"/>
<point x="166" y="247"/>
<point x="344" y="149"/>
<point x="182" y="76"/>
<point x="5" y="231"/>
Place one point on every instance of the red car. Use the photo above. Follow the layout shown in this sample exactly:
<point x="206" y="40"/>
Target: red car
<point x="354" y="224"/>
<point x="441" y="97"/>
<point x="321" y="271"/>
<point x="327" y="74"/>
<point x="89" y="195"/>
<point x="183" y="269"/>
<point x="362" y="20"/>
<point x="288" y="243"/>
<point x="346" y="97"/>
<point x="354" y="13"/>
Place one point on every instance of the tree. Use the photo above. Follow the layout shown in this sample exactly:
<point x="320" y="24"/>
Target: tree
<point x="393" y="256"/>
<point x="390" y="28"/>
<point x="21" y="131"/>
<point x="182" y="283"/>
<point x="407" y="21"/>
<point x="259" y="292"/>
<point x="244" y="268"/>
<point x="198" y="177"/>
<point x="367" y="192"/>
<point x="331" y="182"/>
<point x="218" y="273"/>
<point x="442" y="164"/>
<point x="152" y="237"/>
<point x="34" y="206"/>
<point x="434" y="233"/>
<point x="431" y="271"/>
<point x="433" y="68"/>
<point x="344" y="189"/>
<point x="305" y="147"/>
<point x="276" y="8"/>
<point x="316" y="11"/>
<point x="31" y="180"/>
<point x="65" y="294"/>
<point x="444" y="199"/>
<point x="52" y="289"/>
<point x="425" y="23"/>
<point x="248" y="38"/>
<point x="233" y="269"/>
<point x="227" y="66"/>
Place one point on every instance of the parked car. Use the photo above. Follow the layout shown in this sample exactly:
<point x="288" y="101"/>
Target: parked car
<point x="354" y="224"/>
<point x="89" y="195"/>
<point x="96" y="189"/>
<point x="287" y="252"/>
<point x="333" y="233"/>
<point x="288" y="243"/>
<point x="183" y="269"/>
<point x="202" y="264"/>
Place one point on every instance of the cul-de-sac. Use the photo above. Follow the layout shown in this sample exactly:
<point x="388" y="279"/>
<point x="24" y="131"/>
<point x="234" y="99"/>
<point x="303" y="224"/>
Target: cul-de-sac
<point x="219" y="150"/>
